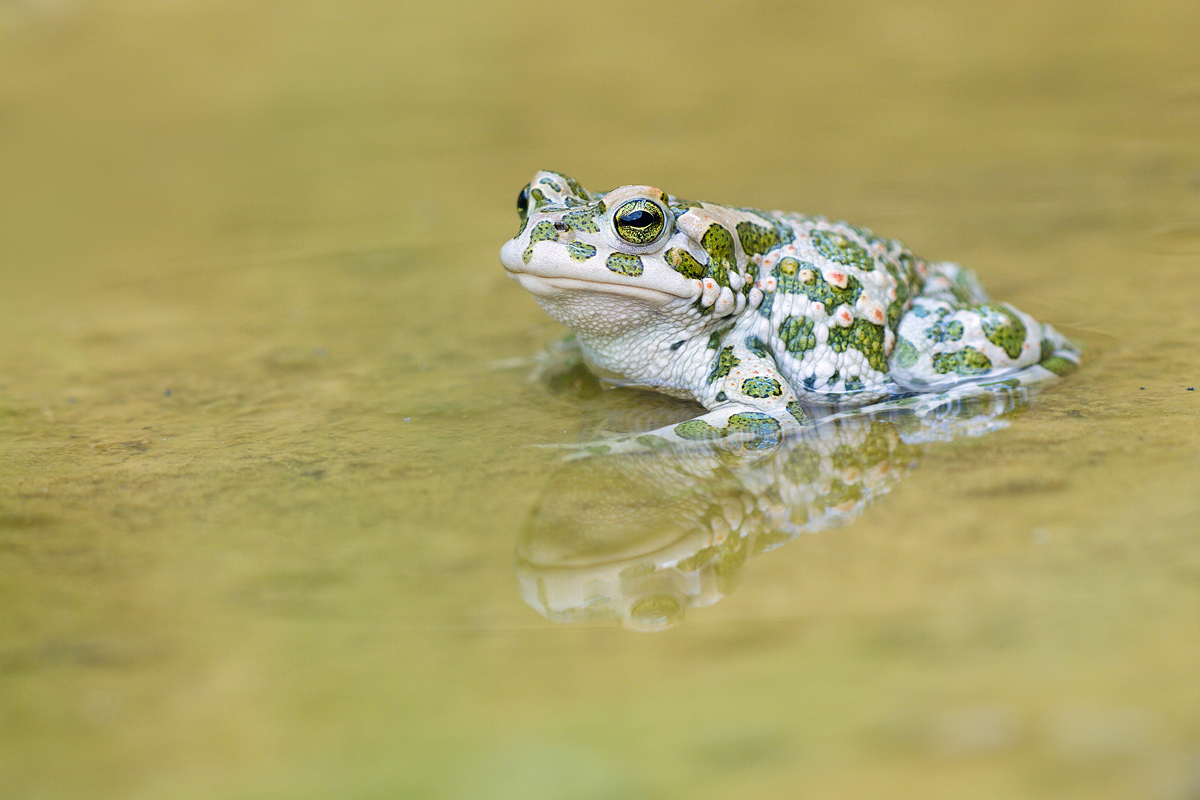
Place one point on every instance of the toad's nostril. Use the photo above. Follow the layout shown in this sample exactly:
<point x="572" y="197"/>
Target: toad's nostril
<point x="560" y="226"/>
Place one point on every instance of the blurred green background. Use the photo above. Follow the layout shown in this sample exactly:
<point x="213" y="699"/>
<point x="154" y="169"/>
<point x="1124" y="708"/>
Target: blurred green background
<point x="261" y="479"/>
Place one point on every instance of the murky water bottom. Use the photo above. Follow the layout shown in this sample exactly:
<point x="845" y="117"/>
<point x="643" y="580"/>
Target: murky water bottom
<point x="266" y="459"/>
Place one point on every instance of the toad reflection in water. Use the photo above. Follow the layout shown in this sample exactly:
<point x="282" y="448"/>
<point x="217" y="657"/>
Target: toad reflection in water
<point x="639" y="537"/>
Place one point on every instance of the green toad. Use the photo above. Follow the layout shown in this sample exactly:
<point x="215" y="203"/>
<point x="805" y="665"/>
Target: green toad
<point x="760" y="315"/>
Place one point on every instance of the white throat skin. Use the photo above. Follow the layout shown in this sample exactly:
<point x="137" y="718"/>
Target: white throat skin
<point x="598" y="316"/>
<point x="634" y="343"/>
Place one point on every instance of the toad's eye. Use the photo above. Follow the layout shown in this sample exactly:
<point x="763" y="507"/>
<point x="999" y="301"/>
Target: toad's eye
<point x="523" y="202"/>
<point x="639" y="221"/>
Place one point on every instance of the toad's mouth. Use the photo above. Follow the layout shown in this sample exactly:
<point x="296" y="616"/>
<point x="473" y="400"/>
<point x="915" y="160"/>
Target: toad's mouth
<point x="553" y="287"/>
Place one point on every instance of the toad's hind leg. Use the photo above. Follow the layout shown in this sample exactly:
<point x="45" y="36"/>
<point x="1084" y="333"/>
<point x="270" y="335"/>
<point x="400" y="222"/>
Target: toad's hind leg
<point x="953" y="334"/>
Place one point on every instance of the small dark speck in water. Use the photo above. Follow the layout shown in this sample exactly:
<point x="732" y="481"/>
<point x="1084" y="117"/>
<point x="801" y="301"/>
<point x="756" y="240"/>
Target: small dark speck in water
<point x="71" y="400"/>
<point x="168" y="392"/>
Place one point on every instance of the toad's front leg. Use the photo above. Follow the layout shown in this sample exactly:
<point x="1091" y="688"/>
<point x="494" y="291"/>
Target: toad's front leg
<point x="751" y="409"/>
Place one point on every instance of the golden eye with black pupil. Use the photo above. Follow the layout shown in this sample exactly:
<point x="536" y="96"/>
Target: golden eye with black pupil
<point x="523" y="202"/>
<point x="639" y="221"/>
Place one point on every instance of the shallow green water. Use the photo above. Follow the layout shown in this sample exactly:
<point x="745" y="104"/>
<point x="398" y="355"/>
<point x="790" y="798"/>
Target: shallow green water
<point x="263" y="470"/>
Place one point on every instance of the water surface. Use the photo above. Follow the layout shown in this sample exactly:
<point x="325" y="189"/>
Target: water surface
<point x="265" y="461"/>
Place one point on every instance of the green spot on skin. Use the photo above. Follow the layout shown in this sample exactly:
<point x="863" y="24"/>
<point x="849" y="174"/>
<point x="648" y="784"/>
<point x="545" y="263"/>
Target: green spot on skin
<point x="842" y="249"/>
<point x="905" y="354"/>
<point x="767" y="305"/>
<point x="907" y="273"/>
<point x="797" y="335"/>
<point x="751" y="274"/>
<point x="786" y="275"/>
<point x="788" y="267"/>
<point x="726" y="361"/>
<point x="697" y="430"/>
<point x="583" y="220"/>
<point x="581" y="251"/>
<point x="575" y="188"/>
<point x="942" y="331"/>
<point x="967" y="361"/>
<point x="624" y="264"/>
<point x="718" y="244"/>
<point x="761" y="387"/>
<point x="783" y="233"/>
<point x="908" y="283"/>
<point x="755" y="423"/>
<point x="863" y="336"/>
<point x="758" y="347"/>
<point x="756" y="239"/>
<point x="684" y="263"/>
<point x="1059" y="366"/>
<point x="1003" y="329"/>
<point x="542" y="232"/>
<point x="797" y="411"/>
<point x="816" y="288"/>
<point x="714" y="341"/>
